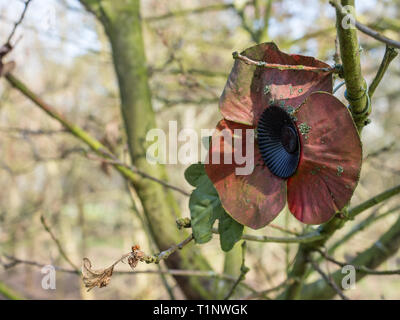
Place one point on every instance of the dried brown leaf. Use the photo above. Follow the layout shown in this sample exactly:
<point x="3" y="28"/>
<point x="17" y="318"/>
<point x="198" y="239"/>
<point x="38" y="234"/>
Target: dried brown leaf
<point x="95" y="278"/>
<point x="135" y="257"/>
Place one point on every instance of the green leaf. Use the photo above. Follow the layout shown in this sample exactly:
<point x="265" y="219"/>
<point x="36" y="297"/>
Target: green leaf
<point x="230" y="231"/>
<point x="205" y="208"/>
<point x="203" y="205"/>
<point x="194" y="172"/>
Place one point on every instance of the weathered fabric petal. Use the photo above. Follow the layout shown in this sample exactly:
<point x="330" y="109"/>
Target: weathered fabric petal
<point x="250" y="89"/>
<point x="330" y="160"/>
<point x="252" y="199"/>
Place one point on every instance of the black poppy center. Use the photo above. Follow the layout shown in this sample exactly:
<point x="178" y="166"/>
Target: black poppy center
<point x="278" y="141"/>
<point x="289" y="139"/>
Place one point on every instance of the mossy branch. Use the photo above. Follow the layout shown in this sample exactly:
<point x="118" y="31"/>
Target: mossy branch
<point x="299" y="270"/>
<point x="371" y="258"/>
<point x="350" y="55"/>
<point x="129" y="172"/>
<point x="360" y="227"/>
<point x="360" y="106"/>
<point x="374" y="201"/>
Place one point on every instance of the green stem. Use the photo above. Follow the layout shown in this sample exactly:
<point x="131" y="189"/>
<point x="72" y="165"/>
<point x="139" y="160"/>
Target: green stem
<point x="390" y="54"/>
<point x="9" y="293"/>
<point x="359" y="227"/>
<point x="373" y="201"/>
<point x="243" y="272"/>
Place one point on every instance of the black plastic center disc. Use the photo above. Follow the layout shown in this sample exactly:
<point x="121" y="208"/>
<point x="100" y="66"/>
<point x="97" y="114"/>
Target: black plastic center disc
<point x="278" y="141"/>
<point x="289" y="139"/>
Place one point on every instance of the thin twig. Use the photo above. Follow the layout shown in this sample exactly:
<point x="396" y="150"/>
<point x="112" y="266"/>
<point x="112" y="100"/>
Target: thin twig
<point x="24" y="131"/>
<point x="46" y="226"/>
<point x="364" y="29"/>
<point x="285" y="230"/>
<point x="361" y="226"/>
<point x="267" y="291"/>
<point x="305" y="238"/>
<point x="379" y="151"/>
<point x="116" y="161"/>
<point x="14" y="261"/>
<point x="362" y="269"/>
<point x="373" y="201"/>
<point x="247" y="60"/>
<point x="79" y="133"/>
<point x="243" y="271"/>
<point x="328" y="280"/>
<point x="390" y="54"/>
<point x="185" y="12"/>
<point x="156" y="258"/>
<point x="16" y="24"/>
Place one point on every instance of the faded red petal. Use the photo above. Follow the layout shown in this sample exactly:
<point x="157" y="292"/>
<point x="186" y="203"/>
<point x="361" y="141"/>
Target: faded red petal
<point x="330" y="160"/>
<point x="250" y="89"/>
<point x="253" y="200"/>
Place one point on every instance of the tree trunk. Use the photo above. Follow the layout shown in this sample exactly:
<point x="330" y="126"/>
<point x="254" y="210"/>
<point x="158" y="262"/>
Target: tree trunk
<point x="122" y="23"/>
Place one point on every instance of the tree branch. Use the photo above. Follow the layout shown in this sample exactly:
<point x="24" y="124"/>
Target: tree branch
<point x="299" y="270"/>
<point x="373" y="201"/>
<point x="185" y="12"/>
<point x="126" y="171"/>
<point x="58" y="243"/>
<point x="390" y="54"/>
<point x="362" y="269"/>
<point x="328" y="280"/>
<point x="243" y="272"/>
<point x="371" y="258"/>
<point x="361" y="226"/>
<point x="364" y="29"/>
<point x="350" y="55"/>
<point x="237" y="55"/>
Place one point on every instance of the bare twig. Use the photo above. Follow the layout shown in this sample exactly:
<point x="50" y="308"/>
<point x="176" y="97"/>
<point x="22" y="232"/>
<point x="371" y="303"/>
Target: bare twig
<point x="156" y="258"/>
<point x="243" y="272"/>
<point x="285" y="230"/>
<point x="116" y="161"/>
<point x="21" y="18"/>
<point x="14" y="261"/>
<point x="374" y="201"/>
<point x="46" y="226"/>
<point x="362" y="269"/>
<point x="24" y="131"/>
<point x="79" y="133"/>
<point x="328" y="280"/>
<point x="379" y="151"/>
<point x="305" y="238"/>
<point x="390" y="54"/>
<point x="267" y="291"/>
<point x="247" y="60"/>
<point x="186" y="223"/>
<point x="185" y="12"/>
<point x="373" y="217"/>
<point x="368" y="31"/>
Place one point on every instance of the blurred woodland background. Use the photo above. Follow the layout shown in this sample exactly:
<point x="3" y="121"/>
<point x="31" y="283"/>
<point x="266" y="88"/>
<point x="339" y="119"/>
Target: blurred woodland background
<point x="63" y="54"/>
